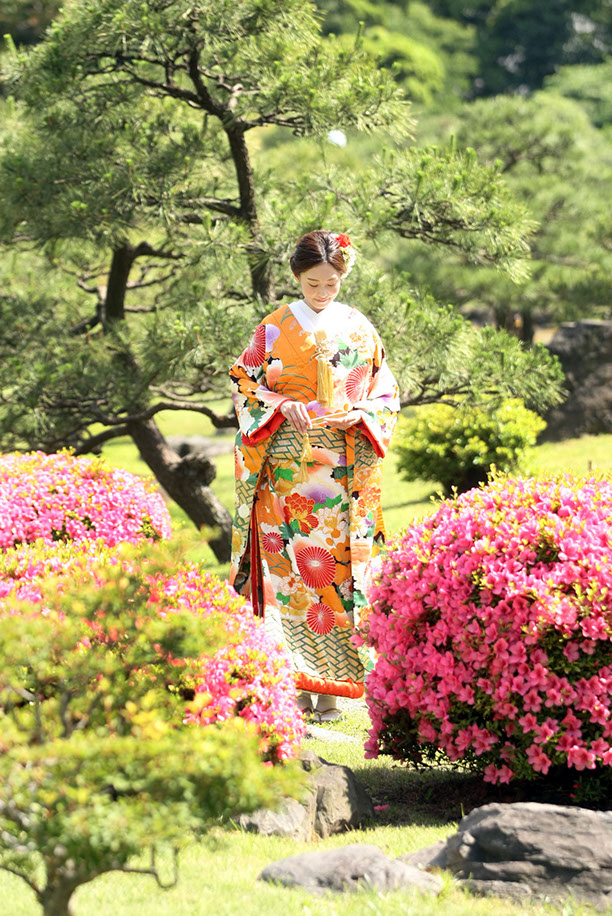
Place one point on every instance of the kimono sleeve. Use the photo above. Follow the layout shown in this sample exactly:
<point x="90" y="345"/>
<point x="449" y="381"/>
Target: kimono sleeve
<point x="380" y="408"/>
<point x="257" y="407"/>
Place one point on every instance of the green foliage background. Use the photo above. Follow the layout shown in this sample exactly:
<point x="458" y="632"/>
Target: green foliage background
<point x="489" y="199"/>
<point x="459" y="446"/>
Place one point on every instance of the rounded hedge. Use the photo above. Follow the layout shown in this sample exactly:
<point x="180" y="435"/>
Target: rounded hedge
<point x="62" y="497"/>
<point x="458" y="446"/>
<point x="492" y="621"/>
<point x="248" y="676"/>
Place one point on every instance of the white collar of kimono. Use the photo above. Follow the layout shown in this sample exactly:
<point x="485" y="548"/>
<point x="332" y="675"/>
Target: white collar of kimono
<point x="329" y="319"/>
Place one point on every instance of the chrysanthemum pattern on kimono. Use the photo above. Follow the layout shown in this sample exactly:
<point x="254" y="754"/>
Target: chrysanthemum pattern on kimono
<point x="308" y="513"/>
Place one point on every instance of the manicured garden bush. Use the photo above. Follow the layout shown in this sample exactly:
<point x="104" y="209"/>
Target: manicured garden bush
<point x="114" y="655"/>
<point x="67" y="515"/>
<point x="492" y="621"/>
<point x="96" y="765"/>
<point x="64" y="498"/>
<point x="247" y="676"/>
<point x="457" y="446"/>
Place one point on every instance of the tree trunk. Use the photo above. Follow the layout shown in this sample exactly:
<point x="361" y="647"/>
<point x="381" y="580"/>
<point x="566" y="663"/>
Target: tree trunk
<point x="527" y="327"/>
<point x="186" y="481"/>
<point x="114" y="302"/>
<point x="259" y="266"/>
<point x="56" y="897"/>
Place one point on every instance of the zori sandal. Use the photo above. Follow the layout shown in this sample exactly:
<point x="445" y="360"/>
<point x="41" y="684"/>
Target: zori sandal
<point x="329" y="715"/>
<point x="304" y="704"/>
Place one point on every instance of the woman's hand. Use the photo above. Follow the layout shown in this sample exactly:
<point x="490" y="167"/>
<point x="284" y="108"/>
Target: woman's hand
<point x="297" y="415"/>
<point x="349" y="419"/>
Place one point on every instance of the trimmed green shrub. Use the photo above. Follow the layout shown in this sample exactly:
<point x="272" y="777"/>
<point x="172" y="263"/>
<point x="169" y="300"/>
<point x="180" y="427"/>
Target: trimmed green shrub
<point x="458" y="446"/>
<point x="96" y="764"/>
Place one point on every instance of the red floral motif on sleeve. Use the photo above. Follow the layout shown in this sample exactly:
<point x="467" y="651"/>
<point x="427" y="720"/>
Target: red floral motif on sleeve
<point x="356" y="384"/>
<point x="256" y="350"/>
<point x="320" y="618"/>
<point x="316" y="565"/>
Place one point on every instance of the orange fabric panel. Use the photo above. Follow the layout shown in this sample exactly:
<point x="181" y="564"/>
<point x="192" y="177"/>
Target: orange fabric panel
<point x="312" y="684"/>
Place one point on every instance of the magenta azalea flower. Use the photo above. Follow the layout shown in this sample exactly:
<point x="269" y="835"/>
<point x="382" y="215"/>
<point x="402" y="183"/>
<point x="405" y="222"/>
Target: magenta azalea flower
<point x="64" y="498"/>
<point x="492" y="622"/>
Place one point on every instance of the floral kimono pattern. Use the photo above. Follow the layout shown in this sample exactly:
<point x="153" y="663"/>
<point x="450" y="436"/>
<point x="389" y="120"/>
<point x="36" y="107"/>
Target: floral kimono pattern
<point x="308" y="508"/>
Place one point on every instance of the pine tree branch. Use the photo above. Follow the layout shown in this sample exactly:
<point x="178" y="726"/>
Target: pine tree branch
<point x="169" y="89"/>
<point x="88" y="323"/>
<point x="207" y="102"/>
<point x="94" y="442"/>
<point x="144" y="248"/>
<point x="219" y="421"/>
<point x="153" y="870"/>
<point x="216" y="204"/>
<point x="141" y="284"/>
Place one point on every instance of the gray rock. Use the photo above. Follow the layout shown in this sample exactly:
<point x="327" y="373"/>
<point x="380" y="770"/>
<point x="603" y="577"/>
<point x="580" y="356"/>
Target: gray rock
<point x="311" y="761"/>
<point x="433" y="856"/>
<point x="350" y="868"/>
<point x="336" y="802"/>
<point x="584" y="349"/>
<point x="341" y="801"/>
<point x="509" y="890"/>
<point x="551" y="849"/>
<point x="291" y="820"/>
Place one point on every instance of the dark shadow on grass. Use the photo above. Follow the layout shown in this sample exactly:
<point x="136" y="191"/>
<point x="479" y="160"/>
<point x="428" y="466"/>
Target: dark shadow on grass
<point x="410" y="502"/>
<point x="437" y="797"/>
<point x="429" y="797"/>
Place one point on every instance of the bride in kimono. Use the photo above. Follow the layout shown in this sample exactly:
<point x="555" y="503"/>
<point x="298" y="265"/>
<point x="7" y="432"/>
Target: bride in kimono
<point x="316" y="404"/>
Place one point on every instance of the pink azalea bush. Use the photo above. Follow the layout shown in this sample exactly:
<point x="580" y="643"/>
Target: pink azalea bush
<point x="64" y="498"/>
<point x="24" y="569"/>
<point x="492" y="621"/>
<point x="248" y="676"/>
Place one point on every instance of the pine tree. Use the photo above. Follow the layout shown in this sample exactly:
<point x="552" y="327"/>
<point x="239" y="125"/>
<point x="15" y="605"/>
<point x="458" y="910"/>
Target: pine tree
<point x="131" y="166"/>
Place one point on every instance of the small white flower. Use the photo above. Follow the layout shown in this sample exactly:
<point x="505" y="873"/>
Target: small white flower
<point x="337" y="136"/>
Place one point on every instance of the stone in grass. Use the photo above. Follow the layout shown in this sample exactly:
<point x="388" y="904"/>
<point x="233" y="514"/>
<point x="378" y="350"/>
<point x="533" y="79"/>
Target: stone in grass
<point x="509" y="890"/>
<point x="433" y="856"/>
<point x="350" y="868"/>
<point x="513" y="850"/>
<point x="336" y="802"/>
<point x="341" y="803"/>
<point x="292" y="820"/>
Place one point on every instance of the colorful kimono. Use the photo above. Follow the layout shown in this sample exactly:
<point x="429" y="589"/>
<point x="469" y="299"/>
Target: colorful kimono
<point x="308" y="508"/>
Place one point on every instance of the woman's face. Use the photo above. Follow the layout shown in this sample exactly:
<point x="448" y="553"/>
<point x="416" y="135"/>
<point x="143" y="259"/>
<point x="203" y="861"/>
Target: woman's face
<point x="320" y="285"/>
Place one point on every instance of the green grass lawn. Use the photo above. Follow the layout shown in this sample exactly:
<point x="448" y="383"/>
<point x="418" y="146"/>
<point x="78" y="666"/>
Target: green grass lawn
<point x="219" y="875"/>
<point x="221" y="879"/>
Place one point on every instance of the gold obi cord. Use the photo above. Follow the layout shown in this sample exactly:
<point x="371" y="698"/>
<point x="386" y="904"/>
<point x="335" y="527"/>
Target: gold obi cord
<point x="305" y="457"/>
<point x="325" y="378"/>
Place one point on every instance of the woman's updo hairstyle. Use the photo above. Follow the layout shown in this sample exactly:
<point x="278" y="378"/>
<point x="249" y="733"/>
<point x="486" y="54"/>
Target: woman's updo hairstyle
<point x="318" y="247"/>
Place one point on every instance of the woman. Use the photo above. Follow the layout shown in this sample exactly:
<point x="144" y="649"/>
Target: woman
<point x="316" y="404"/>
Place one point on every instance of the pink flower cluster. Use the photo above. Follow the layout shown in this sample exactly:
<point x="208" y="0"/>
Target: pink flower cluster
<point x="248" y="676"/>
<point x="492" y="621"/>
<point x="64" y="498"/>
<point x="24" y="569"/>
